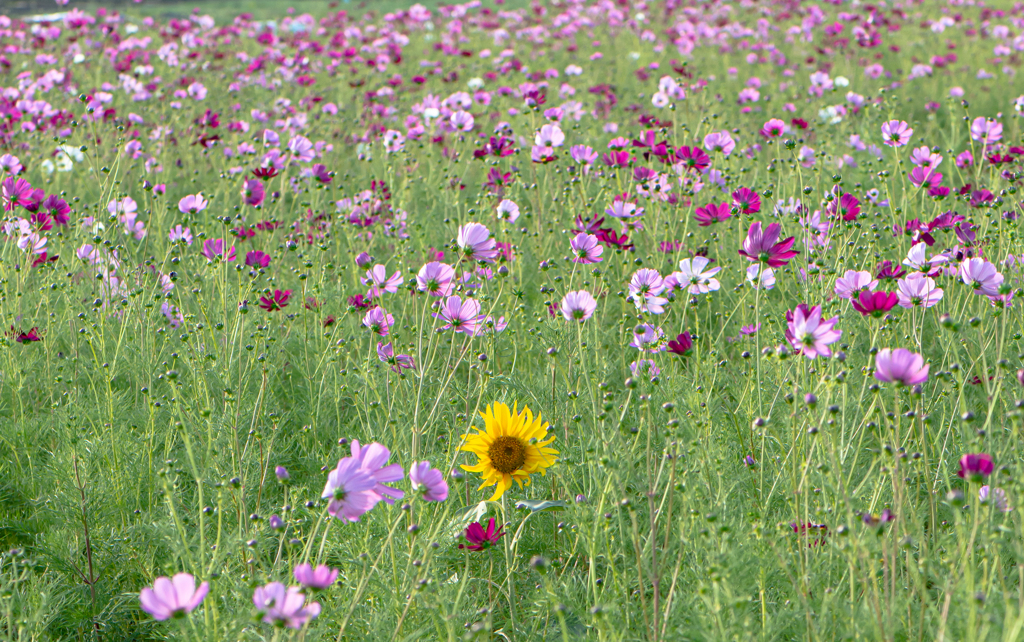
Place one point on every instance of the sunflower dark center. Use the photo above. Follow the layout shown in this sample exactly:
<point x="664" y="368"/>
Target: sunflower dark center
<point x="508" y="454"/>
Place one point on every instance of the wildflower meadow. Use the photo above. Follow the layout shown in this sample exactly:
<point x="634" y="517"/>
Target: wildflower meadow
<point x="513" y="320"/>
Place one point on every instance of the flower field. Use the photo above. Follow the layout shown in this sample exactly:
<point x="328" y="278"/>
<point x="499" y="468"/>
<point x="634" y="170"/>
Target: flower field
<point x="564" y="320"/>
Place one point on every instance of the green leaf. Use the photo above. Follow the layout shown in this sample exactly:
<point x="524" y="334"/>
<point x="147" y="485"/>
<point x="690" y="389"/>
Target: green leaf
<point x="535" y="505"/>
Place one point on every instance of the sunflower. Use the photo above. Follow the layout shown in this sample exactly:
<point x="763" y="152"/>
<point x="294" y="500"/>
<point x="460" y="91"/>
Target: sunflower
<point x="512" y="446"/>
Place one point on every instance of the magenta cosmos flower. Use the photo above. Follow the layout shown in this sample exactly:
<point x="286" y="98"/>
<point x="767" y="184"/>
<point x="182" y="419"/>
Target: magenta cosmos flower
<point x="900" y="366"/>
<point x="428" y="482"/>
<point x="746" y="201"/>
<point x="976" y="467"/>
<point x="173" y="597"/>
<point x="578" y="306"/>
<point x="711" y="213"/>
<point x="278" y="301"/>
<point x="896" y="133"/>
<point x="252" y="192"/>
<point x="258" y="259"/>
<point x="479" y="539"/>
<point x="17" y="192"/>
<point x="192" y="204"/>
<point x="374" y="460"/>
<point x="461" y="316"/>
<point x="284" y="607"/>
<point x="316" y="579"/>
<point x="476" y="243"/>
<point x="586" y="249"/>
<point x="874" y="304"/>
<point x="350" y="491"/>
<point x="765" y="247"/>
<point x="435" y="279"/>
<point x="808" y="333"/>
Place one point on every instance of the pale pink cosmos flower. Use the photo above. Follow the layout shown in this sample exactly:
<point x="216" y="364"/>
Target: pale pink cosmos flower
<point x="508" y="211"/>
<point x="284" y="607"/>
<point x="316" y="579"/>
<point x="213" y="250"/>
<point x="896" y="133"/>
<point x="808" y="333"/>
<point x="435" y="279"/>
<point x="918" y="290"/>
<point x="463" y="121"/>
<point x="925" y="157"/>
<point x="900" y="366"/>
<point x="719" y="142"/>
<point x="586" y="249"/>
<point x="461" y="316"/>
<point x="550" y="135"/>
<point x="192" y="204"/>
<point x="583" y="154"/>
<point x="761" y="277"/>
<point x="173" y="597"/>
<point x="645" y="288"/>
<point x="964" y="159"/>
<point x="578" y="306"/>
<point x="986" y="130"/>
<point x="982" y="276"/>
<point x="179" y="234"/>
<point x="917" y="259"/>
<point x="428" y="482"/>
<point x="197" y="91"/>
<point x="853" y="283"/>
<point x="374" y="460"/>
<point x="379" y="282"/>
<point x="350" y="491"/>
<point x="694" y="273"/>
<point x="476" y="243"/>
<point x="302" y="149"/>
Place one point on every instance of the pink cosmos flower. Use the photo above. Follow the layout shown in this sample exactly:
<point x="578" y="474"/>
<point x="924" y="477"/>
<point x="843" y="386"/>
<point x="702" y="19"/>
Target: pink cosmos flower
<point x="428" y="482"/>
<point x="252" y="192"/>
<point x="319" y="579"/>
<point x="284" y="607"/>
<point x="774" y="128"/>
<point x="994" y="496"/>
<point x="350" y="491"/>
<point x="508" y="211"/>
<point x="374" y="460"/>
<point x="256" y="258"/>
<point x="746" y="200"/>
<point x="173" y="597"/>
<point x="461" y="316"/>
<point x="986" y="130"/>
<point x="578" y="306"/>
<point x="301" y="149"/>
<point x="976" y="466"/>
<point x="874" y="304"/>
<point x="719" y="142"/>
<point x="379" y="282"/>
<point x="853" y="283"/>
<point x="386" y="353"/>
<point x="645" y="288"/>
<point x="277" y="301"/>
<point x="918" y="290"/>
<point x="765" y="247"/>
<point x="192" y="204"/>
<point x="982" y="276"/>
<point x="586" y="249"/>
<point x="213" y="250"/>
<point x="711" y="213"/>
<point x="693" y="273"/>
<point x="964" y="159"/>
<point x="378" y="321"/>
<point x="478" y="539"/>
<point x="808" y="333"/>
<point x="179" y="234"/>
<point x="476" y="243"/>
<point x="896" y="133"/>
<point x="900" y="366"/>
<point x="435" y="279"/>
<point x="16" y="192"/>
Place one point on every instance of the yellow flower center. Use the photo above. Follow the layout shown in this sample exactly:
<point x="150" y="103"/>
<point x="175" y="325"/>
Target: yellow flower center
<point x="507" y="454"/>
